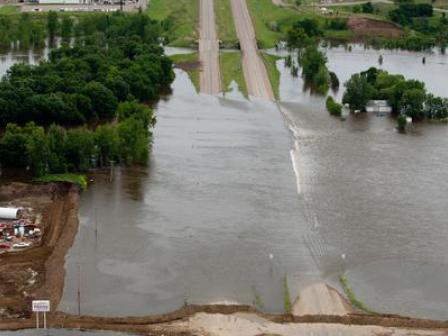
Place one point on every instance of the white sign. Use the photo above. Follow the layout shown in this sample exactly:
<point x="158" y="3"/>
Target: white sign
<point x="41" y="306"/>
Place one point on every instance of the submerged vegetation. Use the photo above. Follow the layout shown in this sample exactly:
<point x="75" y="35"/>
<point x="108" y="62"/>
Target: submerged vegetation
<point x="333" y="107"/>
<point x="98" y="84"/>
<point x="287" y="307"/>
<point x="352" y="296"/>
<point x="190" y="64"/>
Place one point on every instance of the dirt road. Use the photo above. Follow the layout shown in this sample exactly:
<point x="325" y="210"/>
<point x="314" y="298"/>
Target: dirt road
<point x="320" y="299"/>
<point x="210" y="78"/>
<point x="255" y="74"/>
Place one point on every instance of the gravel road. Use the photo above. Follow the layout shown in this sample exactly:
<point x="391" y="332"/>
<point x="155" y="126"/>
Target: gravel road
<point x="255" y="74"/>
<point x="210" y="78"/>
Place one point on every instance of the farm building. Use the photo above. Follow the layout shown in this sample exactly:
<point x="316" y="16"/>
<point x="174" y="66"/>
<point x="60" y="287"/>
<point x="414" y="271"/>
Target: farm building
<point x="378" y="106"/>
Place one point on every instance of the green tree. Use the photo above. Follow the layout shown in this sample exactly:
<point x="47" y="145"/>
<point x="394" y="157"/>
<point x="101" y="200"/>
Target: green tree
<point x="37" y="151"/>
<point x="358" y="92"/>
<point x="411" y="103"/>
<point x="52" y="25"/>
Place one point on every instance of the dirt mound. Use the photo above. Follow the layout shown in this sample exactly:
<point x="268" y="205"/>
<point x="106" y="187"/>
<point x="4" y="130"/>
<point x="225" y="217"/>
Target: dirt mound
<point x="374" y="28"/>
<point x="320" y="299"/>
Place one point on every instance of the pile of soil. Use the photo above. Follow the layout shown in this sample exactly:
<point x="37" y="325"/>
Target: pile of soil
<point x="374" y="28"/>
<point x="38" y="272"/>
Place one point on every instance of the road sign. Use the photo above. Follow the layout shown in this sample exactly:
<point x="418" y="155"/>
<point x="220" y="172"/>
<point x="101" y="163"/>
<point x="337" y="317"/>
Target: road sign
<point x="41" y="306"/>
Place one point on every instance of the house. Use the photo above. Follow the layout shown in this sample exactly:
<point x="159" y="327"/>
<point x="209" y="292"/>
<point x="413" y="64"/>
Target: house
<point x="378" y="106"/>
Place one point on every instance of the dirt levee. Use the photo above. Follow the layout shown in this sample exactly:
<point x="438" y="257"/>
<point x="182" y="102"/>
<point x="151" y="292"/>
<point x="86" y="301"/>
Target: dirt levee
<point x="38" y="272"/>
<point x="372" y="27"/>
<point x="320" y="299"/>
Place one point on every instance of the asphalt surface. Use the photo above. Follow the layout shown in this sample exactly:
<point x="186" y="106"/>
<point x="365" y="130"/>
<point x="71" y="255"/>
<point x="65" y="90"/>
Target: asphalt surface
<point x="255" y="74"/>
<point x="210" y="78"/>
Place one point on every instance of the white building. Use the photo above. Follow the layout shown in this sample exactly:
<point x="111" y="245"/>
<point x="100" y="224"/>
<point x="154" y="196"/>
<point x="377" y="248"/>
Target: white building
<point x="378" y="106"/>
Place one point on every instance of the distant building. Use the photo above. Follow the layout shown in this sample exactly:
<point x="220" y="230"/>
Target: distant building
<point x="60" y="2"/>
<point x="378" y="106"/>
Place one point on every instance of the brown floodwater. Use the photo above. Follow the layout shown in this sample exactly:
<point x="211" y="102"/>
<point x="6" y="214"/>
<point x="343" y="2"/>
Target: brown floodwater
<point x="376" y="198"/>
<point x="237" y="195"/>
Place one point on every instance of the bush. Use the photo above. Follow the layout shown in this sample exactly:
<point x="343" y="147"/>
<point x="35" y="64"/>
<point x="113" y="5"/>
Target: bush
<point x="333" y="107"/>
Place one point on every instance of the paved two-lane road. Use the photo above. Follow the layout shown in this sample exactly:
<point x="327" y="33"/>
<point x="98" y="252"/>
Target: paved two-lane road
<point x="255" y="74"/>
<point x="210" y="78"/>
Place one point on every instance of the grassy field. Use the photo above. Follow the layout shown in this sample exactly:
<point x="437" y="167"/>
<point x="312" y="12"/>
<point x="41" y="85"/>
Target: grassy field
<point x="181" y="17"/>
<point x="190" y="64"/>
<point x="268" y="20"/>
<point x="225" y="24"/>
<point x="7" y="10"/>
<point x="232" y="70"/>
<point x="274" y="75"/>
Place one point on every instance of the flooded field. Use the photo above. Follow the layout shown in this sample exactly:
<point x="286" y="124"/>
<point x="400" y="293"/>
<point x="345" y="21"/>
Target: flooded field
<point x="377" y="197"/>
<point x="222" y="215"/>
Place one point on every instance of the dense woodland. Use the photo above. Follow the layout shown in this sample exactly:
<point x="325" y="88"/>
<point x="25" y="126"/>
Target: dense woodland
<point x="113" y="65"/>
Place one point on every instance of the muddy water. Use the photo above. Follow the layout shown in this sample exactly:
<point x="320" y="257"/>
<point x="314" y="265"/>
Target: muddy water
<point x="200" y="223"/>
<point x="377" y="198"/>
<point x="218" y="214"/>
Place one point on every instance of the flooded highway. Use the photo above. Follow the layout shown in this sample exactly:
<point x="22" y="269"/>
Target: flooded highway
<point x="237" y="196"/>
<point x="214" y="218"/>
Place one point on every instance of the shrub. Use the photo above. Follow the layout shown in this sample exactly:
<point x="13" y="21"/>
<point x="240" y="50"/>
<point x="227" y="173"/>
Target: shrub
<point x="333" y="107"/>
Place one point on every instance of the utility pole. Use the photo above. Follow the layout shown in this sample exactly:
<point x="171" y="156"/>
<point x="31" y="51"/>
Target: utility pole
<point x="96" y="225"/>
<point x="79" y="289"/>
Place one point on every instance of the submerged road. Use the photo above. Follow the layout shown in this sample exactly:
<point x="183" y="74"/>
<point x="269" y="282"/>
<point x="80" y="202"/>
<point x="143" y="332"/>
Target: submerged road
<point x="210" y="79"/>
<point x="255" y="74"/>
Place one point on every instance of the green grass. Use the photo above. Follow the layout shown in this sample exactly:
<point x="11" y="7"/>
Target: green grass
<point x="225" y="25"/>
<point x="273" y="73"/>
<point x="232" y="70"/>
<point x="286" y="297"/>
<point x="352" y="296"/>
<point x="8" y="10"/>
<point x="181" y="17"/>
<point x="265" y="16"/>
<point x="190" y="64"/>
<point x="80" y="180"/>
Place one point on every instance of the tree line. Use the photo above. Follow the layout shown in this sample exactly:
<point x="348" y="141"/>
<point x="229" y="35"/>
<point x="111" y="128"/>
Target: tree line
<point x="58" y="150"/>
<point x="406" y="97"/>
<point x="95" y="89"/>
<point x="305" y="37"/>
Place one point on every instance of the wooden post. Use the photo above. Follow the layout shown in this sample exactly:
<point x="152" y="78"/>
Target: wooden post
<point x="37" y="320"/>
<point x="79" y="289"/>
